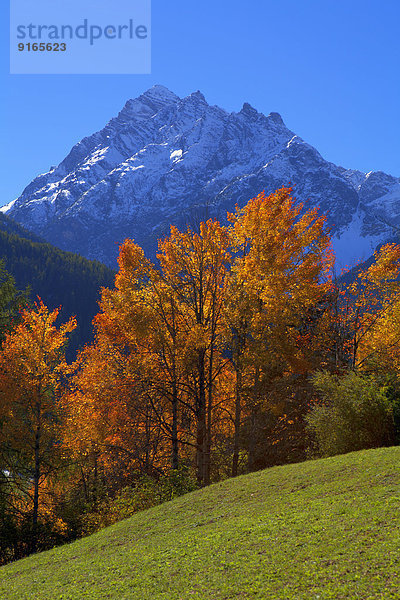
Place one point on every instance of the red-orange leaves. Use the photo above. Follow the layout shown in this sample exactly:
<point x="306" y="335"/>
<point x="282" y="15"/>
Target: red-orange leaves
<point x="32" y="366"/>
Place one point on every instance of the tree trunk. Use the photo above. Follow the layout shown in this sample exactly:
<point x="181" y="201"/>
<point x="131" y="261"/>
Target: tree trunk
<point x="200" y="445"/>
<point x="238" y="411"/>
<point x="95" y="482"/>
<point x="355" y="341"/>
<point x="174" y="432"/>
<point x="85" y="490"/>
<point x="253" y="422"/>
<point x="207" y="455"/>
<point x="201" y="422"/>
<point x="175" y="448"/>
<point x="36" y="479"/>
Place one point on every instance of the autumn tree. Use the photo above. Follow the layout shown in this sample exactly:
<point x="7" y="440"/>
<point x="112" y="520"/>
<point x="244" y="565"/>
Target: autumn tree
<point x="283" y="261"/>
<point x="194" y="267"/>
<point x="166" y="325"/>
<point x="142" y="315"/>
<point x="124" y="400"/>
<point x="370" y="302"/>
<point x="220" y="338"/>
<point x="356" y="319"/>
<point x="110" y="428"/>
<point x="197" y="340"/>
<point x="32" y="366"/>
<point x="357" y="384"/>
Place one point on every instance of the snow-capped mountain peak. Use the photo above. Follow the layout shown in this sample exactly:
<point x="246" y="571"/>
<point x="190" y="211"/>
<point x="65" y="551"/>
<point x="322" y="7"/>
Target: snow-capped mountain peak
<point x="167" y="159"/>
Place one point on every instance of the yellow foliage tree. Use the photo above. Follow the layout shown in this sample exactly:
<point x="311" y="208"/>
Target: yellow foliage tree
<point x="282" y="270"/>
<point x="32" y="367"/>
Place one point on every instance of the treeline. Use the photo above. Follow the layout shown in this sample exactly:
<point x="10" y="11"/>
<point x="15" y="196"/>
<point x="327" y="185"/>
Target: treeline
<point x="237" y="350"/>
<point x="59" y="278"/>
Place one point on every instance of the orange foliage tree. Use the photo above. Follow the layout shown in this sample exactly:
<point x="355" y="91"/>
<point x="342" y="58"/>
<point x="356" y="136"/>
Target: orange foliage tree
<point x="370" y="302"/>
<point x="32" y="367"/>
<point x="124" y="400"/>
<point x="282" y="270"/>
<point x="356" y="321"/>
<point x="194" y="268"/>
<point x="191" y="354"/>
<point x="166" y="325"/>
<point x="199" y="336"/>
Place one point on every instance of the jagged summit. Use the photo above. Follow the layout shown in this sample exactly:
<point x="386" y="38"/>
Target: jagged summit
<point x="276" y="117"/>
<point x="158" y="96"/>
<point x="160" y="91"/>
<point x="198" y="96"/>
<point x="166" y="159"/>
<point x="248" y="109"/>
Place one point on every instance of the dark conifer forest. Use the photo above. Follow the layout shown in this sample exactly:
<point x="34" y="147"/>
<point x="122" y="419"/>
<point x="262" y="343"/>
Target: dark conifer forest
<point x="59" y="278"/>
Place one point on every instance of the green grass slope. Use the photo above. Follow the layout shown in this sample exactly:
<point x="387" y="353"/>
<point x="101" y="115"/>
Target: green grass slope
<point x="316" y="530"/>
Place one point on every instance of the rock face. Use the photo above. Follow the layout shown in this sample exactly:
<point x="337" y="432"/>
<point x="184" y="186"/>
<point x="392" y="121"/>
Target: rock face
<point x="166" y="160"/>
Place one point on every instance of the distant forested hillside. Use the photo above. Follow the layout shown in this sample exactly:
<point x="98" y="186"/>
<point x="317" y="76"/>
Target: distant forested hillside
<point x="10" y="226"/>
<point x="59" y="278"/>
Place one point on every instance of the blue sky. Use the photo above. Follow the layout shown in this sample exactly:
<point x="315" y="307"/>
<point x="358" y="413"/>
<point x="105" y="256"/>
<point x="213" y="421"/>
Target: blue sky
<point x="330" y="68"/>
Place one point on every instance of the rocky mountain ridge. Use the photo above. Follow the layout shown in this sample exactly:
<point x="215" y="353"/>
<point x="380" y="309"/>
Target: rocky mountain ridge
<point x="166" y="159"/>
